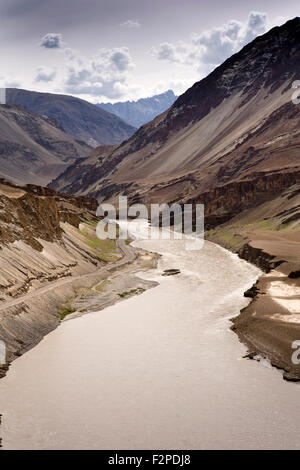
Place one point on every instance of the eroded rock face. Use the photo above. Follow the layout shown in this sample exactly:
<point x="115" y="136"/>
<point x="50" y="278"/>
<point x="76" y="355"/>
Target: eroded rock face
<point x="39" y="246"/>
<point x="225" y="202"/>
<point x="29" y="218"/>
<point x="260" y="258"/>
<point x="294" y="275"/>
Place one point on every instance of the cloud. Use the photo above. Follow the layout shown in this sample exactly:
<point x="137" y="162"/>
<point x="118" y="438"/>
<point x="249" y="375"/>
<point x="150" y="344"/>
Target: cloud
<point x="209" y="48"/>
<point x="257" y="25"/>
<point x="6" y="82"/>
<point x="45" y="74"/>
<point x="105" y="74"/>
<point x="178" y="86"/>
<point x="131" y="24"/>
<point x="172" y="52"/>
<point x="51" y="41"/>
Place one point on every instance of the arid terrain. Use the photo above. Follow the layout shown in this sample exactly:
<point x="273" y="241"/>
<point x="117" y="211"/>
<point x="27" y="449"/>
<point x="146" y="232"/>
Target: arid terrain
<point x="53" y="264"/>
<point x="81" y="119"/>
<point x="232" y="143"/>
<point x="33" y="148"/>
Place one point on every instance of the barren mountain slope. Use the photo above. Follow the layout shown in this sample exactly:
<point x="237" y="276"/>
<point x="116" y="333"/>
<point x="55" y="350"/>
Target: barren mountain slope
<point x="81" y="119"/>
<point x="34" y="149"/>
<point x="234" y="125"/>
<point x="79" y="168"/>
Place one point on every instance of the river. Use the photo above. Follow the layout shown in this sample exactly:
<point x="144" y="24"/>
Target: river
<point x="161" y="370"/>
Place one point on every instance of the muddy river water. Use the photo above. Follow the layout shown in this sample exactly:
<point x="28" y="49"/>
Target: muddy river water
<point x="161" y="370"/>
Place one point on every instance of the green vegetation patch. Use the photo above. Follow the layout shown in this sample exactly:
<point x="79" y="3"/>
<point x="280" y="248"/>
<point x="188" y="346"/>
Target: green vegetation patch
<point x="226" y="237"/>
<point x="66" y="310"/>
<point x="106" y="250"/>
<point x="137" y="291"/>
<point x="101" y="287"/>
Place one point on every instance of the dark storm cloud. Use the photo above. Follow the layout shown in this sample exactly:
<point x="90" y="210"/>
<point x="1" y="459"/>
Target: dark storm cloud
<point x="67" y="13"/>
<point x="16" y="8"/>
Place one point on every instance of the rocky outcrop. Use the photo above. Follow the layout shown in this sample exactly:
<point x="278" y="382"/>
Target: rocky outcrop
<point x="257" y="256"/>
<point x="83" y="202"/>
<point x="29" y="218"/>
<point x="41" y="247"/>
<point x="225" y="202"/>
<point x="171" y="272"/>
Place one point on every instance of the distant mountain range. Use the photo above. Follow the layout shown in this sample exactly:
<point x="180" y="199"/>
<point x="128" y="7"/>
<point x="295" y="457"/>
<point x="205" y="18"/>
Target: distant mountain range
<point x="138" y="113"/>
<point x="81" y="119"/>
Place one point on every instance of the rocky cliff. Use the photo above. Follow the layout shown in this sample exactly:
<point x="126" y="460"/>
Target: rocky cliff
<point x="48" y="250"/>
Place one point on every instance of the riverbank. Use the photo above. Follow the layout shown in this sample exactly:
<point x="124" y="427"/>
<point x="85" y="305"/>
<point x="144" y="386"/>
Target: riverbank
<point x="68" y="298"/>
<point x="117" y="284"/>
<point x="150" y="369"/>
<point x="270" y="324"/>
<point x="55" y="267"/>
<point x="50" y="256"/>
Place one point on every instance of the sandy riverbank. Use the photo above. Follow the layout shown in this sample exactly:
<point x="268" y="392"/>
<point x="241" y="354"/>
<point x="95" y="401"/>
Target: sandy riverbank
<point x="270" y="324"/>
<point x="117" y="285"/>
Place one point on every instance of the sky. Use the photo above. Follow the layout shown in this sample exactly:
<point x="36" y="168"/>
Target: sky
<point x="118" y="50"/>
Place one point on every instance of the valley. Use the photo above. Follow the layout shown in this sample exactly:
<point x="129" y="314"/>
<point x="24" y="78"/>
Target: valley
<point x="232" y="143"/>
<point x="141" y="342"/>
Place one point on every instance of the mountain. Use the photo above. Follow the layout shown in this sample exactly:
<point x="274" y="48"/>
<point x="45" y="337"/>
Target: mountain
<point x="236" y="125"/>
<point x="232" y="143"/>
<point x="81" y="119"/>
<point x="33" y="148"/>
<point x="73" y="171"/>
<point x="137" y="113"/>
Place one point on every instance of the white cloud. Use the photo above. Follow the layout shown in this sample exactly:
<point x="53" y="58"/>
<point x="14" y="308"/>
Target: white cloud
<point x="7" y="82"/>
<point x="106" y="74"/>
<point x="131" y="24"/>
<point x="171" y="52"/>
<point x="177" y="85"/>
<point x="45" y="74"/>
<point x="51" y="41"/>
<point x="209" y="48"/>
